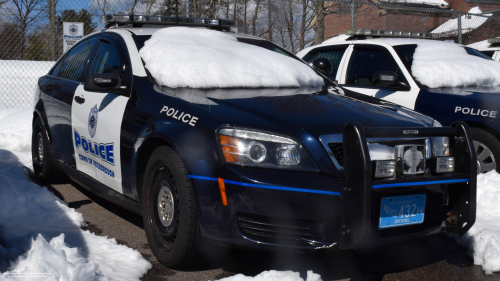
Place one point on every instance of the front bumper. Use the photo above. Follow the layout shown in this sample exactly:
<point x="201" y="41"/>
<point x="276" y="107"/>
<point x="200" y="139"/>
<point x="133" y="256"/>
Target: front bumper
<point x="276" y="209"/>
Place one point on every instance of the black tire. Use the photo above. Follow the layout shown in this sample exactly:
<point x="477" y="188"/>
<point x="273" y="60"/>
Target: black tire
<point x="178" y="244"/>
<point x="487" y="150"/>
<point x="43" y="167"/>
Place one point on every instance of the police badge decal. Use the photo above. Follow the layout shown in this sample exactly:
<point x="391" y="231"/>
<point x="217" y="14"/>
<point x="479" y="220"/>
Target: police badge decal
<point x="93" y="120"/>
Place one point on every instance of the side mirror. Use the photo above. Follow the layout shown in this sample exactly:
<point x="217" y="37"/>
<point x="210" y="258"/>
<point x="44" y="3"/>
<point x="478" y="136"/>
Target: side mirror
<point x="323" y="65"/>
<point x="388" y="79"/>
<point x="103" y="83"/>
<point x="385" y="79"/>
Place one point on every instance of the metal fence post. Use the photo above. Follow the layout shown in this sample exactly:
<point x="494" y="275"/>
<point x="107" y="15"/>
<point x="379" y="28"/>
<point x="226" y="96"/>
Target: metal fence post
<point x="459" y="28"/>
<point x="353" y="8"/>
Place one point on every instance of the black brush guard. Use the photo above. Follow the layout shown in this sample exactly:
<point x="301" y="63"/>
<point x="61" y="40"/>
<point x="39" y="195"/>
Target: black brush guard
<point x="356" y="197"/>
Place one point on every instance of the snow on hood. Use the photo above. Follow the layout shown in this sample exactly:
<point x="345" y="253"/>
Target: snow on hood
<point x="450" y="27"/>
<point x="442" y="64"/>
<point x="180" y="57"/>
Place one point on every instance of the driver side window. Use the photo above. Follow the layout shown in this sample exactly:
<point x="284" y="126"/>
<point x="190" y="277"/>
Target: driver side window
<point x="107" y="60"/>
<point x="364" y="63"/>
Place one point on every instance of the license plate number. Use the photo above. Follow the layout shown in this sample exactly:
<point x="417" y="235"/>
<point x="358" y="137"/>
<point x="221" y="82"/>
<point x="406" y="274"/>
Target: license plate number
<point x="402" y="210"/>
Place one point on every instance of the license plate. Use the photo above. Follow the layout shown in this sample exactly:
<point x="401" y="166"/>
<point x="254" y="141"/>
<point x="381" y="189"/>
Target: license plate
<point x="402" y="210"/>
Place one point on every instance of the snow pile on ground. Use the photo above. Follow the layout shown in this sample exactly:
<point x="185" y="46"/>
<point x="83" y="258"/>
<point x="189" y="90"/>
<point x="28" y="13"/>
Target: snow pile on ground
<point x="439" y="3"/>
<point x="180" y="57"/>
<point x="18" y="81"/>
<point x="273" y="275"/>
<point x="480" y="45"/>
<point x="338" y="38"/>
<point x="40" y="235"/>
<point x="483" y="239"/>
<point x="450" y="27"/>
<point x="443" y="64"/>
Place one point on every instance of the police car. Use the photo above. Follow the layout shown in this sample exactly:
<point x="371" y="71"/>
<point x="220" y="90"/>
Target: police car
<point x="298" y="168"/>
<point x="490" y="48"/>
<point x="358" y="62"/>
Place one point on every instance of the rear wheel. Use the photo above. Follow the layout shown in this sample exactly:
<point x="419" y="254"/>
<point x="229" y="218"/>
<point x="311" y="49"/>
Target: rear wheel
<point x="43" y="167"/>
<point x="487" y="150"/>
<point x="169" y="210"/>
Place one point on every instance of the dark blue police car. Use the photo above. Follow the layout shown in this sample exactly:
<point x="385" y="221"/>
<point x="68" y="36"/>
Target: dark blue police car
<point x="298" y="168"/>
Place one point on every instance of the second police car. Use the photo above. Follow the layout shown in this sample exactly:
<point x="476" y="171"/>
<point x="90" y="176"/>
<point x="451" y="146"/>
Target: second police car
<point x="298" y="168"/>
<point x="363" y="54"/>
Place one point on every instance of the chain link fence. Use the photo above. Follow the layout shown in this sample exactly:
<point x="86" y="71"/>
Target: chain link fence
<point x="459" y="27"/>
<point x="31" y="31"/>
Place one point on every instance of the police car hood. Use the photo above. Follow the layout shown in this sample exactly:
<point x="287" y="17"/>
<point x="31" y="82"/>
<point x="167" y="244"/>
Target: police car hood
<point x="317" y="112"/>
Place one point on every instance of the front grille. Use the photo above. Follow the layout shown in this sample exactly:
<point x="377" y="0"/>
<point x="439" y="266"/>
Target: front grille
<point x="338" y="152"/>
<point x="270" y="227"/>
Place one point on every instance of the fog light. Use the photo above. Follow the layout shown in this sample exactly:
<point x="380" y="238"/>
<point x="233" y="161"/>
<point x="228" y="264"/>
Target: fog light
<point x="385" y="169"/>
<point x="441" y="164"/>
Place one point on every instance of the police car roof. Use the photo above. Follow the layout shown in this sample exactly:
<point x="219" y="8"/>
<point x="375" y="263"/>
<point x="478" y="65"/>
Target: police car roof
<point x="483" y="46"/>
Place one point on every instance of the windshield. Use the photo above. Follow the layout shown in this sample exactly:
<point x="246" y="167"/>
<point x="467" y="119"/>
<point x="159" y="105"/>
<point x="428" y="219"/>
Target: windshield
<point x="180" y="57"/>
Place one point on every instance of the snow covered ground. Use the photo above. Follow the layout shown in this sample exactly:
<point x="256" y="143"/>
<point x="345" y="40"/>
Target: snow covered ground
<point x="18" y="81"/>
<point x="40" y="235"/>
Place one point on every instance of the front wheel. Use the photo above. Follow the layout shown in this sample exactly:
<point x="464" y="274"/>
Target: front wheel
<point x="487" y="150"/>
<point x="169" y="210"/>
<point x="43" y="167"/>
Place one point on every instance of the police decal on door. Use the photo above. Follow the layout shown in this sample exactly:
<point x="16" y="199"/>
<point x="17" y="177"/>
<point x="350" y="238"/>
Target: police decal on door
<point x="96" y="121"/>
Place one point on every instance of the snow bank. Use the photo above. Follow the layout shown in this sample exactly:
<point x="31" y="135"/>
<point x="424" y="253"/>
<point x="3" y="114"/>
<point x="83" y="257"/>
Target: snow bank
<point x="483" y="239"/>
<point x="273" y="275"/>
<point x="443" y="64"/>
<point x="40" y="235"/>
<point x="18" y="81"/>
<point x="180" y="57"/>
<point x="450" y="27"/>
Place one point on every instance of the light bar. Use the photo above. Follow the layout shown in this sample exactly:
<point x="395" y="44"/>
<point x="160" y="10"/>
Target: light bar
<point x="165" y="20"/>
<point x="494" y="40"/>
<point x="390" y="33"/>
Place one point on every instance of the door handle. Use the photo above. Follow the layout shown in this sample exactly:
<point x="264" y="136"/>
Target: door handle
<point x="79" y="100"/>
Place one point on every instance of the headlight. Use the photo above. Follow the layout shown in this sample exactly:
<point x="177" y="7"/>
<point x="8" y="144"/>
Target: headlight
<point x="440" y="145"/>
<point x="253" y="148"/>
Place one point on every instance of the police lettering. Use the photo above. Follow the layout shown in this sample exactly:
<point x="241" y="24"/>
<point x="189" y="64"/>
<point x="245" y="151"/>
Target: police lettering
<point x="477" y="112"/>
<point x="105" y="151"/>
<point x="184" y="117"/>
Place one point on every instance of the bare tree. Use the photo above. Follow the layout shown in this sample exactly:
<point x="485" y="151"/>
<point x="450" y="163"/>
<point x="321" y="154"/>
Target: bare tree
<point x="27" y="11"/>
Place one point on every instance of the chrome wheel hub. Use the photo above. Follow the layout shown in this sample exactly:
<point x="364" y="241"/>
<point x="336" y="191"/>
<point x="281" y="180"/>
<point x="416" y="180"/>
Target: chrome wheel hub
<point x="165" y="205"/>
<point x="485" y="159"/>
<point x="40" y="147"/>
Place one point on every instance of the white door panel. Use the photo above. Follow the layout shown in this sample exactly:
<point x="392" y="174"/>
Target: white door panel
<point x="96" y="135"/>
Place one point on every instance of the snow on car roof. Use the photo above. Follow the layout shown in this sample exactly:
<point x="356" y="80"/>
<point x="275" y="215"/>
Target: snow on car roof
<point x="444" y="64"/>
<point x="482" y="45"/>
<point x="180" y="57"/>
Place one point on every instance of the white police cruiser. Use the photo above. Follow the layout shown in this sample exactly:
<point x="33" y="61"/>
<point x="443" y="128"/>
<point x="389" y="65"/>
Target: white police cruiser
<point x="379" y="64"/>
<point x="299" y="167"/>
<point x="490" y="48"/>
